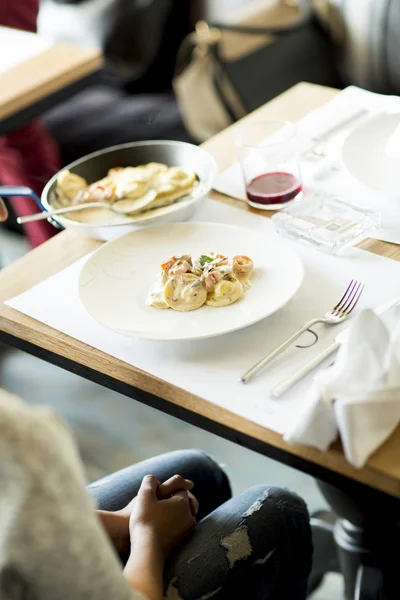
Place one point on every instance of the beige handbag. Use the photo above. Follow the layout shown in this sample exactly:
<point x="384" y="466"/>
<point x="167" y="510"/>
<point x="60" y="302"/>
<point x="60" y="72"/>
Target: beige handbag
<point x="204" y="110"/>
<point x="214" y="90"/>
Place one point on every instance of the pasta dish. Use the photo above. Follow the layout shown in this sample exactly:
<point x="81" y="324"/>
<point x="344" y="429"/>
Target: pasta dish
<point x="186" y="283"/>
<point x="145" y="187"/>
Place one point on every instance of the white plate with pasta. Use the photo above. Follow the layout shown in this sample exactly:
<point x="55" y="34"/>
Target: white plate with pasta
<point x="187" y="281"/>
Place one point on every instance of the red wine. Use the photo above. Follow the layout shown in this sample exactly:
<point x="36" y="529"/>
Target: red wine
<point x="273" y="188"/>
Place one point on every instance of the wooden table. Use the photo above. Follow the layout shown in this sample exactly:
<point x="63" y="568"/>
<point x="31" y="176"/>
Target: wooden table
<point x="382" y="474"/>
<point x="33" y="86"/>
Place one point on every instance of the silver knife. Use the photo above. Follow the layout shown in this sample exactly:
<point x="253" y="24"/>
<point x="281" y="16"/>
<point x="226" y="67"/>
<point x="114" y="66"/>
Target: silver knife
<point x="290" y="381"/>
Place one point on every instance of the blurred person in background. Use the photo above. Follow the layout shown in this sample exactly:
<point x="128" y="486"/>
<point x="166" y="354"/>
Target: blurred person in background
<point x="132" y="98"/>
<point x="130" y="101"/>
<point x="29" y="156"/>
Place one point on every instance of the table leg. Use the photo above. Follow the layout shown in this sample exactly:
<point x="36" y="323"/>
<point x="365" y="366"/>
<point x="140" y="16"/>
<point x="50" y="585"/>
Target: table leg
<point x="325" y="559"/>
<point x="352" y="553"/>
<point x="367" y="539"/>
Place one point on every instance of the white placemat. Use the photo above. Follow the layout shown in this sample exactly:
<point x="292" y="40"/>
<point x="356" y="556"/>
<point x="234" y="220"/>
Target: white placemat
<point x="211" y="368"/>
<point x="332" y="176"/>
<point x="18" y="46"/>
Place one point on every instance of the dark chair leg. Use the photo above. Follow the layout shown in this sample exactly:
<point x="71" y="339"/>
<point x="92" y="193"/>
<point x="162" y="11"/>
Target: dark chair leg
<point x="325" y="554"/>
<point x="367" y="537"/>
<point x="369" y="584"/>
<point x="338" y="547"/>
<point x="351" y="552"/>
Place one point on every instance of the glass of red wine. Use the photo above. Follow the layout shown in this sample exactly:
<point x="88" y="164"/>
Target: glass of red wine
<point x="269" y="157"/>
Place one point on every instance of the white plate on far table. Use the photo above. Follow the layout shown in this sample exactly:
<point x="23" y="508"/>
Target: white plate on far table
<point x="115" y="281"/>
<point x="371" y="154"/>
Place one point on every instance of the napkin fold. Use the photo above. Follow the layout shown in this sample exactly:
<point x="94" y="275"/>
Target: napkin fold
<point x="358" y="397"/>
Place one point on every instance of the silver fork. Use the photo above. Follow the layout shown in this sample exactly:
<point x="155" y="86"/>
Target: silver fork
<point x="338" y="314"/>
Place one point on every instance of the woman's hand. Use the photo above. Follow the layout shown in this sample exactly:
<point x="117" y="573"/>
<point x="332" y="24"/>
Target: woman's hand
<point x="169" y="520"/>
<point x="117" y="528"/>
<point x="177" y="484"/>
<point x="161" y="518"/>
<point x="117" y="523"/>
<point x="3" y="211"/>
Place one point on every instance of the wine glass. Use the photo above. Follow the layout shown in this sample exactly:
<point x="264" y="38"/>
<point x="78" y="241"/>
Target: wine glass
<point x="269" y="157"/>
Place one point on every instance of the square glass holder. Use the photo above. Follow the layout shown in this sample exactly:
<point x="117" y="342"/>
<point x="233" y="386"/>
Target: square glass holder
<point x="327" y="222"/>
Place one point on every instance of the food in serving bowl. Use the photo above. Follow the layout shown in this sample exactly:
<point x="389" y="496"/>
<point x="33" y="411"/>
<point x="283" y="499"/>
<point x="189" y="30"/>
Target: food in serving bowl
<point x="103" y="224"/>
<point x="134" y="189"/>
<point x="186" y="283"/>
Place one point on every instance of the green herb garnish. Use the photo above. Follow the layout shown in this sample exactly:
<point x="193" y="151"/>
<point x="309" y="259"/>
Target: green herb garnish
<point x="203" y="259"/>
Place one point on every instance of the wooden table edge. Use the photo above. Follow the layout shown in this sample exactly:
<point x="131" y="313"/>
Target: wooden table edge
<point x="22" y="331"/>
<point x="185" y="405"/>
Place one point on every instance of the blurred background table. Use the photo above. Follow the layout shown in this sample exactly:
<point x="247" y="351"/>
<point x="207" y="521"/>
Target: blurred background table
<point x="40" y="75"/>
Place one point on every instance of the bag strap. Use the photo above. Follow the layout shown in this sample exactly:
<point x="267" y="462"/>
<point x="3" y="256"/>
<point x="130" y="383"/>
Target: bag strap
<point x="259" y="30"/>
<point x="215" y="51"/>
<point x="190" y="41"/>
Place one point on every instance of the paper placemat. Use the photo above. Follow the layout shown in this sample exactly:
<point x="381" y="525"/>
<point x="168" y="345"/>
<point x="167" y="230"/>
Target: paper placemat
<point x="211" y="368"/>
<point x="327" y="174"/>
<point x="18" y="46"/>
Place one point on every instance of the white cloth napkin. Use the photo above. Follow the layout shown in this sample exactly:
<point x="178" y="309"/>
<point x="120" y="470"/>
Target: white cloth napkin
<point x="327" y="174"/>
<point x="358" y="397"/>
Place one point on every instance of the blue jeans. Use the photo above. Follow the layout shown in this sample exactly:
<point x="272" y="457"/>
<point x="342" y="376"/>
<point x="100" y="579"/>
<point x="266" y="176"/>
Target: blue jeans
<point x="256" y="546"/>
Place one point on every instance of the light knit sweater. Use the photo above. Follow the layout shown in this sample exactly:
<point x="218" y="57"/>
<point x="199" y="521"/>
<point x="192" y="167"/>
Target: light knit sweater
<point x="52" y="545"/>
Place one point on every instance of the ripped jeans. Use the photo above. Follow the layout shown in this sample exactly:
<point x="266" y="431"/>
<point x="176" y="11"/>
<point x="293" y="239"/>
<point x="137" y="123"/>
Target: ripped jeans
<point x="256" y="546"/>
